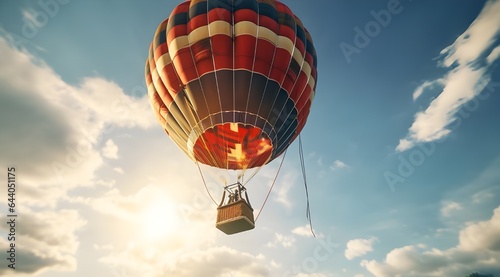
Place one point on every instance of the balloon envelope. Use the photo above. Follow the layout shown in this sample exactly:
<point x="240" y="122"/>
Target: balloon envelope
<point x="232" y="82"/>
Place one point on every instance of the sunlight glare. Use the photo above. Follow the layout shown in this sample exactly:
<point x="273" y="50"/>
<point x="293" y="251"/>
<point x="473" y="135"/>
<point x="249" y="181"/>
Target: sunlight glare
<point x="160" y="219"/>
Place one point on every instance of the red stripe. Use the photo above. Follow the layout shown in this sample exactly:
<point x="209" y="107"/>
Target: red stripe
<point x="204" y="66"/>
<point x="309" y="59"/>
<point x="280" y="66"/>
<point x="269" y="23"/>
<point x="184" y="65"/>
<point x="222" y="47"/>
<point x="160" y="50"/>
<point x="172" y="81"/>
<point x="219" y="14"/>
<point x="203" y="56"/>
<point x="162" y="91"/>
<point x="147" y="75"/>
<point x="314" y="74"/>
<point x="244" y="47"/>
<point x="289" y="81"/>
<point x="176" y="31"/>
<point x="300" y="46"/>
<point x="246" y="15"/>
<point x="288" y="32"/>
<point x="299" y="87"/>
<point x="264" y="57"/>
<point x="304" y="98"/>
<point x="196" y="22"/>
<point x="182" y="7"/>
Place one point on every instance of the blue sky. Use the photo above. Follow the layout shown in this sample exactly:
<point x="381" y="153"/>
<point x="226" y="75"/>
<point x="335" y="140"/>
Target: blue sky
<point x="401" y="148"/>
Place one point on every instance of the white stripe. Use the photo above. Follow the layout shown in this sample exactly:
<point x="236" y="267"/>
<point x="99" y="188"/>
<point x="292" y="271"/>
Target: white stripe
<point x="219" y="27"/>
<point x="155" y="76"/>
<point x="311" y="83"/>
<point x="163" y="61"/>
<point x="193" y="137"/>
<point x="151" y="89"/>
<point x="306" y="68"/>
<point x="245" y="28"/>
<point x="265" y="33"/>
<point x="198" y="34"/>
<point x="297" y="56"/>
<point x="285" y="43"/>
<point x="176" y="44"/>
<point x="250" y="28"/>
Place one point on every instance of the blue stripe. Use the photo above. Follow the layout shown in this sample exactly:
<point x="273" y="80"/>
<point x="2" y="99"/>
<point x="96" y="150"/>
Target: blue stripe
<point x="311" y="50"/>
<point x="160" y="39"/>
<point x="286" y="19"/>
<point x="177" y="19"/>
<point x="268" y="10"/>
<point x="197" y="9"/>
<point x="246" y="4"/>
<point x="217" y="4"/>
<point x="301" y="34"/>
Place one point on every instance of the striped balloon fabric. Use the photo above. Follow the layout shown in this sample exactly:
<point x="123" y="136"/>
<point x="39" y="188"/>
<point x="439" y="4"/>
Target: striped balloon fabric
<point x="232" y="82"/>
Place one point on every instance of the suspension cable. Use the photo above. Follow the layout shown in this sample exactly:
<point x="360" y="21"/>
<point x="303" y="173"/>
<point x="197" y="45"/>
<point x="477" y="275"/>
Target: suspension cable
<point x="303" y="166"/>
<point x="205" y="183"/>
<point x="251" y="176"/>
<point x="274" y="182"/>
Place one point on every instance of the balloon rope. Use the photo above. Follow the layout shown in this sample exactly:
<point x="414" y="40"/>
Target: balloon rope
<point x="269" y="192"/>
<point x="302" y="163"/>
<point x="205" y="183"/>
<point x="251" y="176"/>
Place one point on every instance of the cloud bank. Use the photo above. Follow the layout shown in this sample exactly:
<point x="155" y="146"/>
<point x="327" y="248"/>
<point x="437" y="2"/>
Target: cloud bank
<point x="478" y="250"/>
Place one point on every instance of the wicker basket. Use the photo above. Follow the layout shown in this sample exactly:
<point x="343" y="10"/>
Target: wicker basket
<point x="235" y="217"/>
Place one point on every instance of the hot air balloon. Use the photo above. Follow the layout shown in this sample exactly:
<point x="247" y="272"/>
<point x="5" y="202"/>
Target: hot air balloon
<point x="232" y="82"/>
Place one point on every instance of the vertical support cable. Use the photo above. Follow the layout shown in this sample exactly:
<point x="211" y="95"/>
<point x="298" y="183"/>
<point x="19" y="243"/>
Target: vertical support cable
<point x="303" y="166"/>
<point x="272" y="186"/>
<point x="205" y="183"/>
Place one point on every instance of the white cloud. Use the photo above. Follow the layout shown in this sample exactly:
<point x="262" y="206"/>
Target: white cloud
<point x="482" y="196"/>
<point x="44" y="240"/>
<point x="275" y="264"/>
<point x="461" y="86"/>
<point x="57" y="126"/>
<point x="404" y="144"/>
<point x="173" y="228"/>
<point x="110" y="150"/>
<point x="283" y="240"/>
<point x="476" y="39"/>
<point x="426" y="85"/>
<point x="119" y="170"/>
<point x="320" y="161"/>
<point x="494" y="55"/>
<point x="285" y="183"/>
<point x="305" y="231"/>
<point x="462" y="83"/>
<point x="311" y="275"/>
<point x="129" y="207"/>
<point x="478" y="250"/>
<point x="338" y="164"/>
<point x="359" y="247"/>
<point x="162" y="261"/>
<point x="29" y="16"/>
<point x="449" y="207"/>
<point x="482" y="236"/>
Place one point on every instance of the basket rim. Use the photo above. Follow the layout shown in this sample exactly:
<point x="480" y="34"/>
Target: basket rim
<point x="234" y="204"/>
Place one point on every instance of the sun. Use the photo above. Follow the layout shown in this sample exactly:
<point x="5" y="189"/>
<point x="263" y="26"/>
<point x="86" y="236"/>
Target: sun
<point x="159" y="219"/>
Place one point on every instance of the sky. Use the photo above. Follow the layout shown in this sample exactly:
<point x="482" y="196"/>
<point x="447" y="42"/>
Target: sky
<point x="401" y="148"/>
